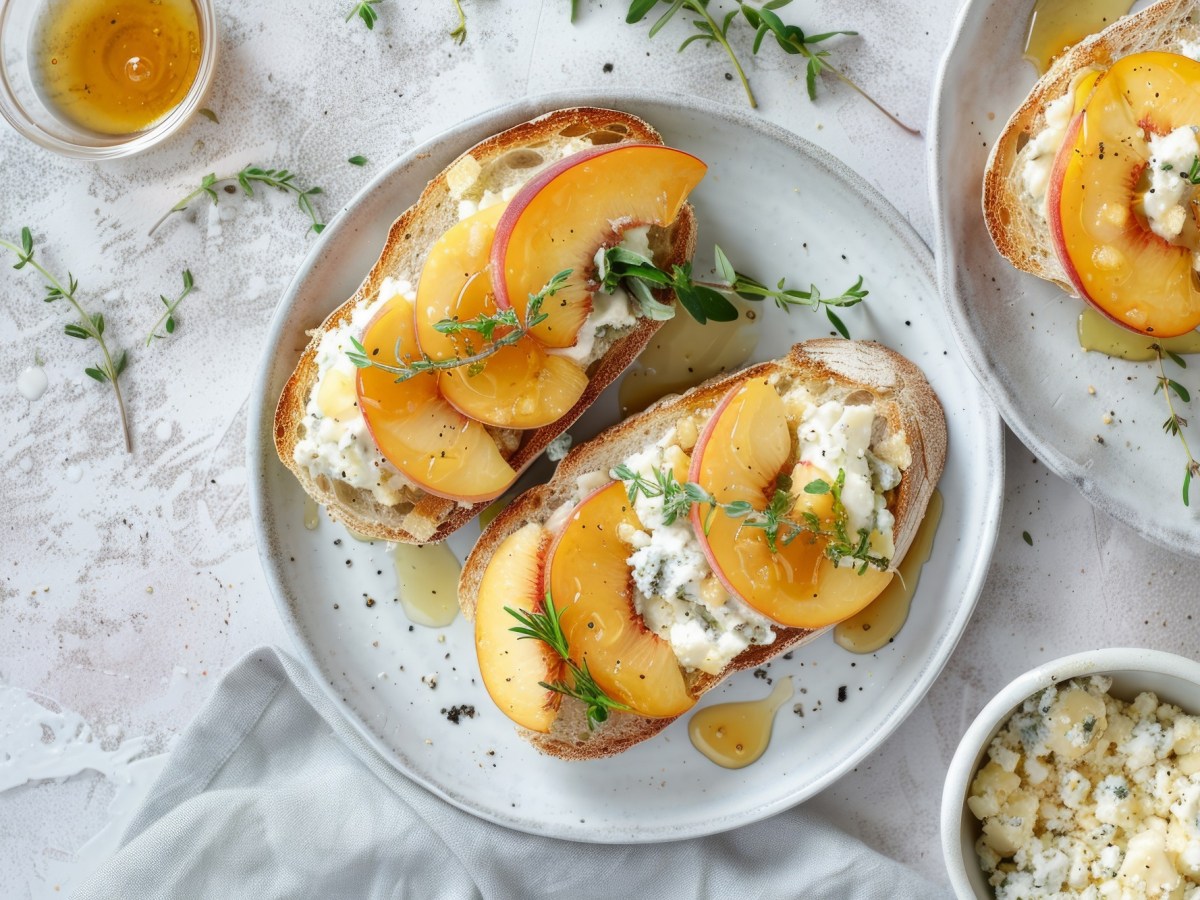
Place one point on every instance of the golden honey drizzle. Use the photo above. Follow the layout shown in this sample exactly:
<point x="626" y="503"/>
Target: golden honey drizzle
<point x="312" y="513"/>
<point x="1101" y="334"/>
<point x="117" y="66"/>
<point x="427" y="579"/>
<point x="872" y="628"/>
<point x="1057" y="25"/>
<point x="734" y="735"/>
<point x="683" y="353"/>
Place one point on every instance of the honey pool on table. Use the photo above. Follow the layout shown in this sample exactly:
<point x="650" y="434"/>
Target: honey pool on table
<point x="116" y="66"/>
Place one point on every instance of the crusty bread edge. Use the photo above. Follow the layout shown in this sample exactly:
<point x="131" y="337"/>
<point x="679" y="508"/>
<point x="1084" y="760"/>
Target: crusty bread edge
<point x="908" y="402"/>
<point x="1009" y="216"/>
<point x="369" y="518"/>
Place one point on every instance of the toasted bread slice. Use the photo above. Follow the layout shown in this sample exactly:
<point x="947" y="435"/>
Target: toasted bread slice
<point x="858" y="371"/>
<point x="499" y="162"/>
<point x="1018" y="228"/>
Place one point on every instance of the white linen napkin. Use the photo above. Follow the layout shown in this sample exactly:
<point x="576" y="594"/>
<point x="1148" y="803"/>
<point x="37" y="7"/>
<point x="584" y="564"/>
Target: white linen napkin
<point x="271" y="793"/>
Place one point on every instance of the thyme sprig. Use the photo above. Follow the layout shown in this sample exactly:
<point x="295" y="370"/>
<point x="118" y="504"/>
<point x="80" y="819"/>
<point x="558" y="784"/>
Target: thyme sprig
<point x="792" y="39"/>
<point x="707" y="28"/>
<point x="779" y="526"/>
<point x="546" y="627"/>
<point x="460" y="32"/>
<point x="705" y="300"/>
<point x="167" y="320"/>
<point x="366" y="11"/>
<point x="677" y="498"/>
<point x="280" y="179"/>
<point x="485" y="325"/>
<point x="87" y="326"/>
<point x="1175" y="423"/>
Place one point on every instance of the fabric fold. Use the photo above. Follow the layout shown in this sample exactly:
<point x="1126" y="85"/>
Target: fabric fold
<point x="270" y="793"/>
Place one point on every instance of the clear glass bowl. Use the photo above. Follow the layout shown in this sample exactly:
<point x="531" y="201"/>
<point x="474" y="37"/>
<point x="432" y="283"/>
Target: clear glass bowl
<point x="25" y="110"/>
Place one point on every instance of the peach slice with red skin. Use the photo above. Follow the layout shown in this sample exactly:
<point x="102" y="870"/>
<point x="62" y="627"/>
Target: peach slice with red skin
<point x="1112" y="257"/>
<point x="592" y="587"/>
<point x="518" y="386"/>
<point x="567" y="212"/>
<point x="740" y="454"/>
<point x="430" y="442"/>
<point x="513" y="667"/>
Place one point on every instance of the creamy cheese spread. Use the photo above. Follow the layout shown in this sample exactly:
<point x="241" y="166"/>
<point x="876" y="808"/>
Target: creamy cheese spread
<point x="1084" y="795"/>
<point x="1171" y="159"/>
<point x="335" y="443"/>
<point x="677" y="595"/>
<point x="1043" y="147"/>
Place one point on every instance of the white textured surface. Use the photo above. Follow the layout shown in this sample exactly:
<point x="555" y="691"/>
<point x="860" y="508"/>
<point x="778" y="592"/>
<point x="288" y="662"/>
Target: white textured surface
<point x="298" y="87"/>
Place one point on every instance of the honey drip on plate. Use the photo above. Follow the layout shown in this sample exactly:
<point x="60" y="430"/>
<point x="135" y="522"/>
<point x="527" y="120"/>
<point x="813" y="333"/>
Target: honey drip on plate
<point x="683" y="353"/>
<point x="312" y="514"/>
<point x="427" y="580"/>
<point x="872" y="628"/>
<point x="117" y="66"/>
<point x="734" y="735"/>
<point x="1100" y="334"/>
<point x="1057" y="25"/>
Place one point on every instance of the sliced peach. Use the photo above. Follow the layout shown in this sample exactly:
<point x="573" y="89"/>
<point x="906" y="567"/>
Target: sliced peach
<point x="511" y="666"/>
<point x="1115" y="261"/>
<point x="744" y="448"/>
<point x="592" y="586"/>
<point x="567" y="212"/>
<point x="454" y="283"/>
<point x="519" y="386"/>
<point x="422" y="435"/>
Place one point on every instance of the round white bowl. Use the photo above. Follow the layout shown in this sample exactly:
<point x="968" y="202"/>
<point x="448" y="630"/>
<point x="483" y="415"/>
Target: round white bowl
<point x="23" y="106"/>
<point x="1175" y="679"/>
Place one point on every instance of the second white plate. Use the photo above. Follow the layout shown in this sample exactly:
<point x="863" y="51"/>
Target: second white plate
<point x="1018" y="332"/>
<point x="778" y="207"/>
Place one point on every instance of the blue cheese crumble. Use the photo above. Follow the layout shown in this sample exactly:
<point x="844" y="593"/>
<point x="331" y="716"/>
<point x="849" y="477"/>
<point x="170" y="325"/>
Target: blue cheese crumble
<point x="678" y="596"/>
<point x="1084" y="795"/>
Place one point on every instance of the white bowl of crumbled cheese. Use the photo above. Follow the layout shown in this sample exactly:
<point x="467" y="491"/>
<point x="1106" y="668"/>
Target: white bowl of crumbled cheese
<point x="1081" y="778"/>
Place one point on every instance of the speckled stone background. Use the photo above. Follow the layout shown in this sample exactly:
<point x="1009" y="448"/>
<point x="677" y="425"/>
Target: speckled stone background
<point x="128" y="583"/>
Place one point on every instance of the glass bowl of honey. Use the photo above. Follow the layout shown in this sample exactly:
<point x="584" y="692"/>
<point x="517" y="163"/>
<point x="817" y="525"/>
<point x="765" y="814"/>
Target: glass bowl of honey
<point x="101" y="79"/>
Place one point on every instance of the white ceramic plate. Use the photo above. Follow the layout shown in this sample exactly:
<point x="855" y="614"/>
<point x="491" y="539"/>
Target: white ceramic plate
<point x="777" y="206"/>
<point x="1017" y="332"/>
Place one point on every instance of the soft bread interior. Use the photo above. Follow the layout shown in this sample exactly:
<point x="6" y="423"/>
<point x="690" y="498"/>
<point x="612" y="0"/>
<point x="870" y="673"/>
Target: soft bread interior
<point x="832" y="369"/>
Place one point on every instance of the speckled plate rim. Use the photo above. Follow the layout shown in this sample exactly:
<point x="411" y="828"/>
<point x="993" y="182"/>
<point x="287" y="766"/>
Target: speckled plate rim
<point x="261" y="454"/>
<point x="969" y="754"/>
<point x="974" y="350"/>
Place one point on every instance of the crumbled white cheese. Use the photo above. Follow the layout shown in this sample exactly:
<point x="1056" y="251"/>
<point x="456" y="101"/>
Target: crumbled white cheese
<point x="1190" y="49"/>
<point x="340" y="448"/>
<point x="557" y="449"/>
<point x="1043" y="147"/>
<point x="1171" y="158"/>
<point x="834" y="437"/>
<point x="1084" y="796"/>
<point x="677" y="595"/>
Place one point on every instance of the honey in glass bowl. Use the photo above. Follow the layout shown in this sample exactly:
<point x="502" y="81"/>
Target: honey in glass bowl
<point x="116" y="66"/>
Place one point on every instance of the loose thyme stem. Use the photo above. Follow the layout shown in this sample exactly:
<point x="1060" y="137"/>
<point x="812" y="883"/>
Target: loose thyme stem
<point x="460" y="33"/>
<point x="849" y="82"/>
<point x="246" y="178"/>
<point x="1175" y="423"/>
<point x="87" y="326"/>
<point x="720" y="38"/>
